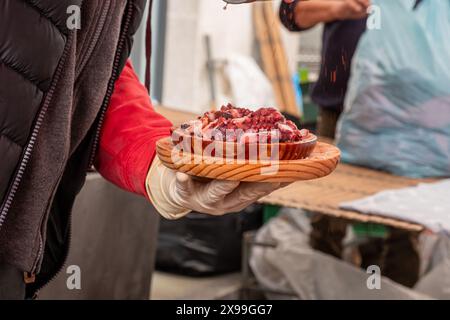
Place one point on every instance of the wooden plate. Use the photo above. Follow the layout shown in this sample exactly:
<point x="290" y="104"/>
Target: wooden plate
<point x="286" y="151"/>
<point x="323" y="161"/>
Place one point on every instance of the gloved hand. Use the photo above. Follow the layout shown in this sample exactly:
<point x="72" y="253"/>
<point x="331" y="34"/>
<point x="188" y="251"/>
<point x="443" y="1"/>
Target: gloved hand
<point x="175" y="194"/>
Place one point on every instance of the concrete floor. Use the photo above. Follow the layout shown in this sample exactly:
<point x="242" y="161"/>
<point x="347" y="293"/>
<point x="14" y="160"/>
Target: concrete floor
<point x="167" y="286"/>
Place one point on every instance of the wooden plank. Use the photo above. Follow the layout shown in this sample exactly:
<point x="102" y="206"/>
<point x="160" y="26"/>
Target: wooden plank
<point x="280" y="59"/>
<point x="263" y="39"/>
<point x="348" y="215"/>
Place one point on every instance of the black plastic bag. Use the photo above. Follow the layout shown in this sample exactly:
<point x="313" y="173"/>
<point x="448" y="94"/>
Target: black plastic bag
<point x="203" y="245"/>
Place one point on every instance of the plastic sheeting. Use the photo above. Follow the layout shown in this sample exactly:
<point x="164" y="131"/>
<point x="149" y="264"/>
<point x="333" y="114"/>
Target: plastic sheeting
<point x="293" y="266"/>
<point x="249" y="85"/>
<point x="426" y="204"/>
<point x="397" y="109"/>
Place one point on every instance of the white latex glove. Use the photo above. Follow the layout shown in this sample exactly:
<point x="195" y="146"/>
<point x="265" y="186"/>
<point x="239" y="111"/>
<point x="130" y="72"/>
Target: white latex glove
<point x="174" y="194"/>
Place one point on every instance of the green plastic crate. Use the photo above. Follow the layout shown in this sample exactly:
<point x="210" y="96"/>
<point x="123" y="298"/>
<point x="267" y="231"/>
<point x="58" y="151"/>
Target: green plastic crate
<point x="270" y="211"/>
<point x="371" y="230"/>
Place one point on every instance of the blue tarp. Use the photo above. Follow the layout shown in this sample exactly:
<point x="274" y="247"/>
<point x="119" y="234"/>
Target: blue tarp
<point x="397" y="109"/>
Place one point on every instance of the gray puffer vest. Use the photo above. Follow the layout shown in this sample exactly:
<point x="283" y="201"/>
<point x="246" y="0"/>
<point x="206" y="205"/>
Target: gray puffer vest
<point x="50" y="72"/>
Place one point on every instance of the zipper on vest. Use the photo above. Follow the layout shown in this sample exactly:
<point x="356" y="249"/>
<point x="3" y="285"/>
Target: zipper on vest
<point x="34" y="134"/>
<point x="114" y="75"/>
<point x="29" y="278"/>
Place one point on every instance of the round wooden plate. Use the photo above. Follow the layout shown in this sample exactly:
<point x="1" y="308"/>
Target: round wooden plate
<point x="323" y="161"/>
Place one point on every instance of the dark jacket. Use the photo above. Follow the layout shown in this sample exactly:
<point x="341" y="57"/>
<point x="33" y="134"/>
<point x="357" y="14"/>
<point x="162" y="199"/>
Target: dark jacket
<point x="68" y="76"/>
<point x="339" y="42"/>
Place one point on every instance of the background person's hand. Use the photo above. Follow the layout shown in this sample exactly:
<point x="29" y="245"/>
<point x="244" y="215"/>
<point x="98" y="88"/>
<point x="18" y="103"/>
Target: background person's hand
<point x="351" y="9"/>
<point x="307" y="14"/>
<point x="175" y="194"/>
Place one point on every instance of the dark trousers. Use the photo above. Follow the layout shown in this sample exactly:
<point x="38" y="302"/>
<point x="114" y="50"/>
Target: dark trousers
<point x="12" y="285"/>
<point x="327" y="121"/>
<point x="397" y="256"/>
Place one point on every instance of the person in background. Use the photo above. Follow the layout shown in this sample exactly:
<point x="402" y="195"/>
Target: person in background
<point x="344" y="23"/>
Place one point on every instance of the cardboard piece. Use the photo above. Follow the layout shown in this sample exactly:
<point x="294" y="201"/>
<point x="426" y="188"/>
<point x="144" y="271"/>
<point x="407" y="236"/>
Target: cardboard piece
<point x="347" y="183"/>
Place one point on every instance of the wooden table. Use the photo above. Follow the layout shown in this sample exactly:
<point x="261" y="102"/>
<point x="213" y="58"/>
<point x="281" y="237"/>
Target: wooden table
<point x="347" y="183"/>
<point x="176" y="116"/>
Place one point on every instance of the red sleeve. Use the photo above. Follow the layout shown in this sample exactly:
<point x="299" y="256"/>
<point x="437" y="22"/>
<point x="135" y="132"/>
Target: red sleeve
<point x="130" y="131"/>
